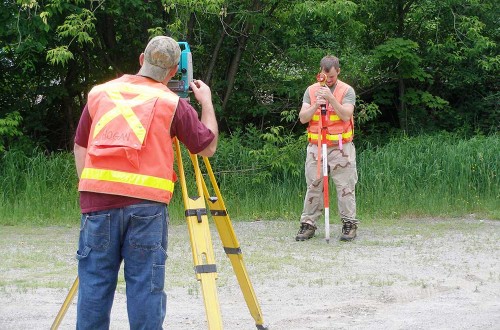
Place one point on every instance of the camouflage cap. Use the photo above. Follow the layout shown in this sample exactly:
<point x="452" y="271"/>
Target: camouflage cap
<point x="161" y="54"/>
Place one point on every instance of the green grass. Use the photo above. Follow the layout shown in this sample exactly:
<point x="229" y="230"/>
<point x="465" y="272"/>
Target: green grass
<point x="432" y="175"/>
<point x="439" y="175"/>
<point x="38" y="190"/>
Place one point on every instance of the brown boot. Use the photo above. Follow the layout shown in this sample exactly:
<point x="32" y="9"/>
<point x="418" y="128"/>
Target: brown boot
<point x="348" y="230"/>
<point x="306" y="231"/>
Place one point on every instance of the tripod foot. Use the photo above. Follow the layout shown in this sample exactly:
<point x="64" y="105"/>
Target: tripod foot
<point x="261" y="327"/>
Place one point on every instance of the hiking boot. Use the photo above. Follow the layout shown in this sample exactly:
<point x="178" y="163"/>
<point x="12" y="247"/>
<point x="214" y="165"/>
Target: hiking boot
<point x="348" y="231"/>
<point x="306" y="231"/>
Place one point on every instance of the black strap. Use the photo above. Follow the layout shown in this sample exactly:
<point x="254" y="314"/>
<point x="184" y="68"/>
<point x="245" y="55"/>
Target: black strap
<point x="232" y="250"/>
<point x="210" y="268"/>
<point x="218" y="213"/>
<point x="196" y="212"/>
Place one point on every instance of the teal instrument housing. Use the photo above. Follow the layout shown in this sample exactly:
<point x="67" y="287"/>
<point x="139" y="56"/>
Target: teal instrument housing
<point x="185" y="72"/>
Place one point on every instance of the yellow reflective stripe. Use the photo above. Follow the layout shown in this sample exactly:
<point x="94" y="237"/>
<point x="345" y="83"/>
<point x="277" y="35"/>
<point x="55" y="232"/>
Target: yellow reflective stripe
<point x="331" y="137"/>
<point x="148" y="91"/>
<point x="332" y="118"/>
<point x="129" y="178"/>
<point x="106" y="118"/>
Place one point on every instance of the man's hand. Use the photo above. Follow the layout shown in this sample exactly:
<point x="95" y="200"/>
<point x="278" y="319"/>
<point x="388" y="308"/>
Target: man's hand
<point x="203" y="95"/>
<point x="344" y="111"/>
<point x="323" y="94"/>
<point x="201" y="91"/>
<point x="320" y="101"/>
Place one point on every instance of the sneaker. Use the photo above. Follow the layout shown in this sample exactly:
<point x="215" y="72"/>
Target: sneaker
<point x="348" y="231"/>
<point x="306" y="231"/>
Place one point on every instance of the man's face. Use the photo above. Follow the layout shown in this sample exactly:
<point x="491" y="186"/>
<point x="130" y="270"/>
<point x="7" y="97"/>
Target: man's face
<point x="331" y="76"/>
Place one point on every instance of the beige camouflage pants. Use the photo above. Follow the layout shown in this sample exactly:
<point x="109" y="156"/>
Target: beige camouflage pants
<point x="342" y="169"/>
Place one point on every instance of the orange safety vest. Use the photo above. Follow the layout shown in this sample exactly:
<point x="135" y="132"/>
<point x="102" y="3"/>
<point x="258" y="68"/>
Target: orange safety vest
<point x="130" y="150"/>
<point x="336" y="127"/>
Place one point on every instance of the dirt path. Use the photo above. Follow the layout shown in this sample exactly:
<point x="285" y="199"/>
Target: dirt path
<point x="404" y="274"/>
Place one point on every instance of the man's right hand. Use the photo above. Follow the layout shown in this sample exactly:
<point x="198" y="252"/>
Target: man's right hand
<point x="203" y="95"/>
<point x="201" y="91"/>
<point x="320" y="101"/>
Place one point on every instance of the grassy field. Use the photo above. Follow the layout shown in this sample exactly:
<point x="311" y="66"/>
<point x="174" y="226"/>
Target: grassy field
<point x="440" y="175"/>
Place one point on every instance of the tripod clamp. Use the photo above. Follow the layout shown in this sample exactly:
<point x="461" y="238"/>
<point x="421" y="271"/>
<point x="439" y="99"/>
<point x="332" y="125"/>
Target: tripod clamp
<point x="196" y="212"/>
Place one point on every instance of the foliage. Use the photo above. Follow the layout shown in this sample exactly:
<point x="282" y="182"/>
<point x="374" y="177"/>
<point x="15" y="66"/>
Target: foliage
<point x="397" y="55"/>
<point x="282" y="152"/>
<point x="9" y="128"/>
<point x="439" y="174"/>
<point x="417" y="66"/>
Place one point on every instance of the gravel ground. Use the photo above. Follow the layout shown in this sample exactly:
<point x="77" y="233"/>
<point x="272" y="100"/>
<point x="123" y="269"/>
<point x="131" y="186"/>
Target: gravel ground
<point x="399" y="274"/>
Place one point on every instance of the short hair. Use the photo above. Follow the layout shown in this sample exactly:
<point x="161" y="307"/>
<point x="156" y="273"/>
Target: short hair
<point x="328" y="62"/>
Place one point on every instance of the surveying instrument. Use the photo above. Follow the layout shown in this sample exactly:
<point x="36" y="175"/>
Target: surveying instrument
<point x="198" y="226"/>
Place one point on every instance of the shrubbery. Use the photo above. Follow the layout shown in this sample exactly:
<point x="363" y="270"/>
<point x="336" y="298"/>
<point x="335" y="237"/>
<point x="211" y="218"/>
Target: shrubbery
<point x="261" y="177"/>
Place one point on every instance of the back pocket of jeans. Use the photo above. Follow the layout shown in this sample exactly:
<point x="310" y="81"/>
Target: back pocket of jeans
<point x="146" y="232"/>
<point x="97" y="231"/>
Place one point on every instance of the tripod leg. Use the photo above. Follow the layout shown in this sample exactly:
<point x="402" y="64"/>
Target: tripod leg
<point x="232" y="246"/>
<point x="65" y="305"/>
<point x="201" y="243"/>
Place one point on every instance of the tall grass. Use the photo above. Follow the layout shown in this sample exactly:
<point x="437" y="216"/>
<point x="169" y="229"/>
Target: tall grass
<point x="431" y="175"/>
<point x="40" y="189"/>
<point x="440" y="175"/>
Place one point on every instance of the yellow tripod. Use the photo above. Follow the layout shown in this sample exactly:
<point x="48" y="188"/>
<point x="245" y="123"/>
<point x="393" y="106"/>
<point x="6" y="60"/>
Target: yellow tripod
<point x="201" y="245"/>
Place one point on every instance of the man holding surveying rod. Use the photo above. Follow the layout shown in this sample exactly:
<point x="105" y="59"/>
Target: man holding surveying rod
<point x="328" y="107"/>
<point x="124" y="158"/>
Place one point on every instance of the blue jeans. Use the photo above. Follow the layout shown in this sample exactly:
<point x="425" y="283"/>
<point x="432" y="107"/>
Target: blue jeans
<point x="138" y="235"/>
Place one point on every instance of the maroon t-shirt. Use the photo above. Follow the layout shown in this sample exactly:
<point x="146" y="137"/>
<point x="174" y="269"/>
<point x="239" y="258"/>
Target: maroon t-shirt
<point x="185" y="126"/>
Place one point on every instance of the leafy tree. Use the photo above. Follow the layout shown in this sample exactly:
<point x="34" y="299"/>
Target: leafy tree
<point x="424" y="50"/>
<point x="416" y="65"/>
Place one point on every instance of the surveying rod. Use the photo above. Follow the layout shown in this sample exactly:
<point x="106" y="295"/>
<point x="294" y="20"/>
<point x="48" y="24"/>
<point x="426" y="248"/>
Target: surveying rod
<point x="324" y="158"/>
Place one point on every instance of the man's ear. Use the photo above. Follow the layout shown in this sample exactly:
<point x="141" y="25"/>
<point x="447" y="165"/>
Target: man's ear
<point x="338" y="71"/>
<point x="170" y="74"/>
<point x="141" y="59"/>
<point x="173" y="71"/>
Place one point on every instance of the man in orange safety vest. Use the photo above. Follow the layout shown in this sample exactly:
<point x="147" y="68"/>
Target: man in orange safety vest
<point x="339" y="99"/>
<point x="124" y="159"/>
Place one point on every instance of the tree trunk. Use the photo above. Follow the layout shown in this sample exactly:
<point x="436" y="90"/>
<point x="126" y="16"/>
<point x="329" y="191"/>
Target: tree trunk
<point x="190" y="28"/>
<point x="402" y="8"/>
<point x="68" y="104"/>
<point x="235" y="62"/>
<point x="402" y="111"/>
<point x="215" y="53"/>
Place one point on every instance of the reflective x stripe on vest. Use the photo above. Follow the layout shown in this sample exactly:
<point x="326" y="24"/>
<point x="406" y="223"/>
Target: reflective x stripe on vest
<point x="124" y="107"/>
